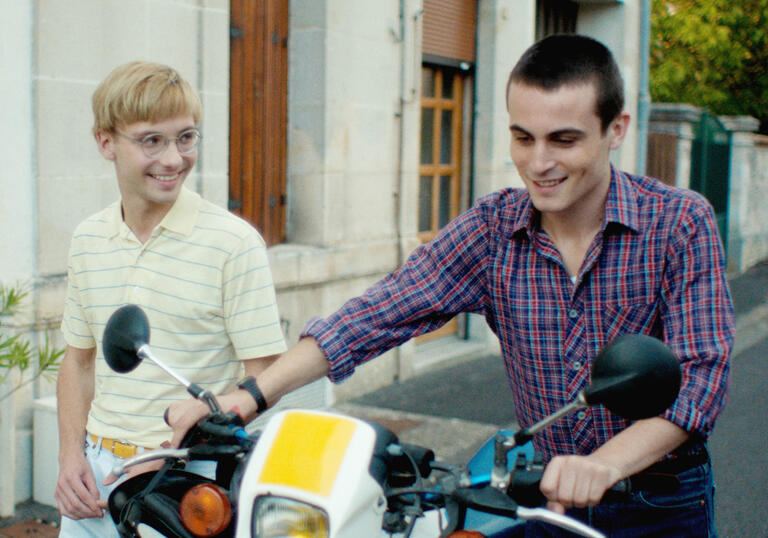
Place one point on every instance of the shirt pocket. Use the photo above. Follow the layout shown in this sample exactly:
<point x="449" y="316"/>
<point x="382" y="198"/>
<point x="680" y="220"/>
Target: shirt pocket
<point x="638" y="316"/>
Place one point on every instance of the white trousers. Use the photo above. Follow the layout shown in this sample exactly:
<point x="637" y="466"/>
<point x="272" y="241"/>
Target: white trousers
<point x="102" y="461"/>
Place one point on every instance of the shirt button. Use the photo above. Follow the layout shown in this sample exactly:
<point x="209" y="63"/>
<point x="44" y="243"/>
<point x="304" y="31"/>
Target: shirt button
<point x="577" y="365"/>
<point x="573" y="313"/>
<point x="581" y="415"/>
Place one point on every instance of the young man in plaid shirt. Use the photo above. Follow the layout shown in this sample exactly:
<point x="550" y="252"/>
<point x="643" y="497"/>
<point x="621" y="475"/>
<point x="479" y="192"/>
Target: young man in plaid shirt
<point x="583" y="254"/>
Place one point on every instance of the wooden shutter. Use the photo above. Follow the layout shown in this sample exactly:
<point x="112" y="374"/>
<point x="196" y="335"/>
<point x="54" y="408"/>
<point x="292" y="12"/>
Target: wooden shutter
<point x="258" y="112"/>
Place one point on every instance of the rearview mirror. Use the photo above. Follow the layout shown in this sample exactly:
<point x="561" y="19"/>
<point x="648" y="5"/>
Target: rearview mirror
<point x="126" y="331"/>
<point x="635" y="376"/>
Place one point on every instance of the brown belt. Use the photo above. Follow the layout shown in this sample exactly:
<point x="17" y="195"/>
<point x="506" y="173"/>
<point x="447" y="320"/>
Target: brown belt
<point x="119" y="449"/>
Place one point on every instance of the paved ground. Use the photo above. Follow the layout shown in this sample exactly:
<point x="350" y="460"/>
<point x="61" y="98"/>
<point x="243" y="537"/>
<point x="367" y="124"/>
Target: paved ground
<point x="456" y="418"/>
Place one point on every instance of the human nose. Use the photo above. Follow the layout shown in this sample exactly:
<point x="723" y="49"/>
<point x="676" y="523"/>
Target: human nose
<point x="171" y="155"/>
<point x="541" y="159"/>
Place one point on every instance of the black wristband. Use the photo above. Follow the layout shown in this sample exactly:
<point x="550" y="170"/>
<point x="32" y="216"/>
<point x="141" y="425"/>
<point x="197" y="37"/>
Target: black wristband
<point x="249" y="384"/>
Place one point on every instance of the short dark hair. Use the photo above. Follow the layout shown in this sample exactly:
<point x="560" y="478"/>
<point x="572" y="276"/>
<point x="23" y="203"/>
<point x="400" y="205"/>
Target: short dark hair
<point x="563" y="59"/>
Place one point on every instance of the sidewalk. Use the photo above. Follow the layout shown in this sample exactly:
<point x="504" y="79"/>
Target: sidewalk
<point x="454" y="418"/>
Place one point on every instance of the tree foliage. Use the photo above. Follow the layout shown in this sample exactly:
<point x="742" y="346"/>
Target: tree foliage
<point x="712" y="54"/>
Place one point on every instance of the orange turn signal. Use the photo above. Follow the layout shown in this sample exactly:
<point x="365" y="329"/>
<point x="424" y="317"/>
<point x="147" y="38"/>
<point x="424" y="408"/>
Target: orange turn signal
<point x="466" y="534"/>
<point x="205" y="510"/>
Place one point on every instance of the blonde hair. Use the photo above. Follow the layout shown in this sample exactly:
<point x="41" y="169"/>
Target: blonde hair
<point x="142" y="91"/>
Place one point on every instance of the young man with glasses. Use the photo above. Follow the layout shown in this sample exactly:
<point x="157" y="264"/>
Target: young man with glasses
<point x="200" y="273"/>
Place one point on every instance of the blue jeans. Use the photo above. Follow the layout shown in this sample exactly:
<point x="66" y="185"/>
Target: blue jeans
<point x="689" y="511"/>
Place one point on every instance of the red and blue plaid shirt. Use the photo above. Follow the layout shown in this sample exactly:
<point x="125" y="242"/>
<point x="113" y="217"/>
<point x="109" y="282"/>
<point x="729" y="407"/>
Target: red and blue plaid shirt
<point x="656" y="268"/>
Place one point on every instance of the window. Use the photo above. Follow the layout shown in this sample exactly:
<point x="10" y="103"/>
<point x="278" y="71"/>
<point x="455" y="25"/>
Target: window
<point x="440" y="164"/>
<point x="448" y="52"/>
<point x="555" y="17"/>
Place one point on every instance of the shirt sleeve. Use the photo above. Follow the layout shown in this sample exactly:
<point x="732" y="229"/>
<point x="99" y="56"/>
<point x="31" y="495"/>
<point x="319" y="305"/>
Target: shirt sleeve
<point x="74" y="325"/>
<point x="249" y="300"/>
<point x="439" y="280"/>
<point x="698" y="322"/>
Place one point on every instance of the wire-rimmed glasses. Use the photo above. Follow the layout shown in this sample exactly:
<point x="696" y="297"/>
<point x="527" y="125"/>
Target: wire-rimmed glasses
<point x="155" y="144"/>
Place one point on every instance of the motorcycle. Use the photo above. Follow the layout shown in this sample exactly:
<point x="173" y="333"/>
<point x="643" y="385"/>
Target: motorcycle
<point x="322" y="474"/>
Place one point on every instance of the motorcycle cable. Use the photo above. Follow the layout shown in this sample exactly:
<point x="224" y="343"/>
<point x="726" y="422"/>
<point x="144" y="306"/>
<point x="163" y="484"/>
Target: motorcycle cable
<point x="125" y="512"/>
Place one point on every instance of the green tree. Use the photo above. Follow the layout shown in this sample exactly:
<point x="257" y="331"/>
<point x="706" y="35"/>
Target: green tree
<point x="17" y="353"/>
<point x="712" y="54"/>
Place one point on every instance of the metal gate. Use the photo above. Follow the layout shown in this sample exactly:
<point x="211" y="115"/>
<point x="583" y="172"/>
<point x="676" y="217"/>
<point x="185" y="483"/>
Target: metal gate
<point x="710" y="167"/>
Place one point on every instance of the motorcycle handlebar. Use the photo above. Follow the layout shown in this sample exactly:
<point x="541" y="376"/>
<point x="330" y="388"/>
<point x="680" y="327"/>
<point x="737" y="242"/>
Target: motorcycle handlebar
<point x="197" y="452"/>
<point x="152" y="455"/>
<point x="564" y="522"/>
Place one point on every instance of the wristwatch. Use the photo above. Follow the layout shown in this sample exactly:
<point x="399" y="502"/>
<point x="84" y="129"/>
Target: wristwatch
<point x="249" y="384"/>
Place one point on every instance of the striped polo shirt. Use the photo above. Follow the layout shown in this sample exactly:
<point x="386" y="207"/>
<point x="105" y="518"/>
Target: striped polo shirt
<point x="202" y="278"/>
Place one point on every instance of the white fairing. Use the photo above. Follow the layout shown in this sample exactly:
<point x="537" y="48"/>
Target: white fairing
<point x="320" y="459"/>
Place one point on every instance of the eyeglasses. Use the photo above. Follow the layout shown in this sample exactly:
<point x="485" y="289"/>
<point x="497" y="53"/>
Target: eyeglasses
<point x="155" y="144"/>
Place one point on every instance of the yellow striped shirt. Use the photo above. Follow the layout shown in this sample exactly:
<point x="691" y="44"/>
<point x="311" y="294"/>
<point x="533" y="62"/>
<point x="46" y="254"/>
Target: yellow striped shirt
<point x="203" y="280"/>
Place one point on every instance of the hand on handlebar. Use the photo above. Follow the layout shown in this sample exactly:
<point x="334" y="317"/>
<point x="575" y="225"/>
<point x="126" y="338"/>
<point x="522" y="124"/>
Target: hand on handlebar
<point x="576" y="481"/>
<point x="182" y="416"/>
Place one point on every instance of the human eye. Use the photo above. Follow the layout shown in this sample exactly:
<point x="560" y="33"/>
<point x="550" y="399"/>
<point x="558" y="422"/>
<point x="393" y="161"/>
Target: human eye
<point x="521" y="138"/>
<point x="564" y="141"/>
<point x="152" y="141"/>
<point x="188" y="137"/>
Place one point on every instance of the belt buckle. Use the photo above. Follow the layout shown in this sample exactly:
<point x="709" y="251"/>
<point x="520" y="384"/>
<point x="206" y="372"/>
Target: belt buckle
<point x="122" y="450"/>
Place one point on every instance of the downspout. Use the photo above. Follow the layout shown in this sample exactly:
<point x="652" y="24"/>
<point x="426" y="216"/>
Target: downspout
<point x="400" y="38"/>
<point x="644" y="101"/>
<point x="406" y="96"/>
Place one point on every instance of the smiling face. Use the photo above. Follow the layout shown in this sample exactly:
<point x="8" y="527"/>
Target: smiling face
<point x="560" y="150"/>
<point x="148" y="185"/>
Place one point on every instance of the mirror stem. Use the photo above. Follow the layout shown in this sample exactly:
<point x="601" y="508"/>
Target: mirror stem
<point x="500" y="475"/>
<point x="525" y="435"/>
<point x="144" y="352"/>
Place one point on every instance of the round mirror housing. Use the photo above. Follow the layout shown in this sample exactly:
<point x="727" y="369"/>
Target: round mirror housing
<point x="126" y="331"/>
<point x="635" y="376"/>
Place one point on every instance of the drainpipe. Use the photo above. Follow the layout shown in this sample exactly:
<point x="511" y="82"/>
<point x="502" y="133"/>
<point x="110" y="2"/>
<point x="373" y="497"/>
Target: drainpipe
<point x="400" y="38"/>
<point x="644" y="101"/>
<point x="406" y="96"/>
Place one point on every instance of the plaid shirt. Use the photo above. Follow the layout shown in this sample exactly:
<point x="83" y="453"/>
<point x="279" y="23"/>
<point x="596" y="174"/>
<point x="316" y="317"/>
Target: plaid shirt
<point x="657" y="267"/>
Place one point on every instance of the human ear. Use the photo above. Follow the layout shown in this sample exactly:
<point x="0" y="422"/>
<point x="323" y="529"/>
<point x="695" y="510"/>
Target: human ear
<point x="618" y="128"/>
<point x="106" y="144"/>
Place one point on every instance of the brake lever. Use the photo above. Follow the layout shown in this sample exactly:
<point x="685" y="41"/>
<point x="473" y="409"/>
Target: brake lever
<point x="560" y="520"/>
<point x="152" y="455"/>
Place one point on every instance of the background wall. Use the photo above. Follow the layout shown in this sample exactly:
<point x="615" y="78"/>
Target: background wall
<point x="353" y="149"/>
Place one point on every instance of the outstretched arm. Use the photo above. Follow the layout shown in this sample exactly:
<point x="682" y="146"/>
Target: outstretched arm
<point x="580" y="481"/>
<point x="275" y="376"/>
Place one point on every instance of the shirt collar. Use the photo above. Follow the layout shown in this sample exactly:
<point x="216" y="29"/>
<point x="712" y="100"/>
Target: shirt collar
<point x="180" y="219"/>
<point x="620" y="207"/>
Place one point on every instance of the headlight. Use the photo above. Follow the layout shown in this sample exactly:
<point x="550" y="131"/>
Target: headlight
<point x="276" y="517"/>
